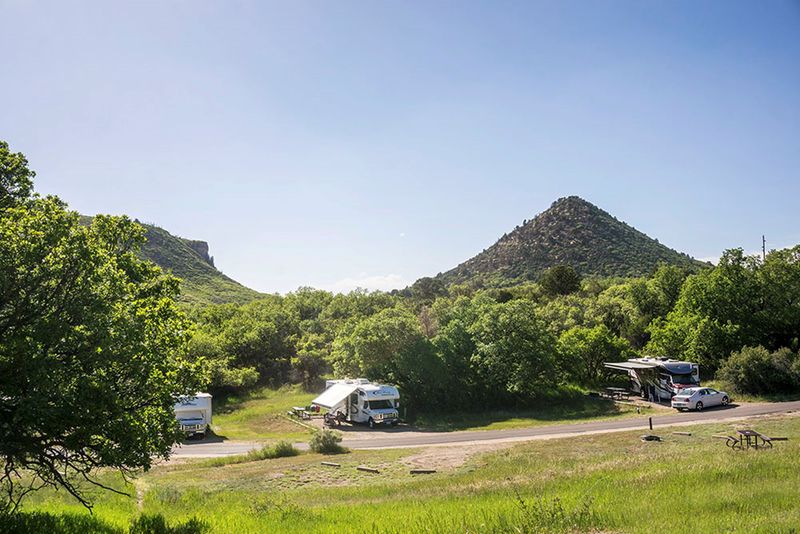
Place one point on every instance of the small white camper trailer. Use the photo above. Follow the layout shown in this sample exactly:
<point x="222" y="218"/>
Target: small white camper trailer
<point x="360" y="401"/>
<point x="194" y="414"/>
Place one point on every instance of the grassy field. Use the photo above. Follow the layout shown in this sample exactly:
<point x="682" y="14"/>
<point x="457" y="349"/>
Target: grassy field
<point x="569" y="410"/>
<point x="261" y="415"/>
<point x="611" y="482"/>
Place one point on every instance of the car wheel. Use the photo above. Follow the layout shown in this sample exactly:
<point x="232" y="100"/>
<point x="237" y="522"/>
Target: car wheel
<point x="371" y="422"/>
<point x="725" y="400"/>
<point x="698" y="406"/>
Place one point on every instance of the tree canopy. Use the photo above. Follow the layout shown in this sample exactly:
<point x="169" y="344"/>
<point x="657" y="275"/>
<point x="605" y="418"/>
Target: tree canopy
<point x="92" y="345"/>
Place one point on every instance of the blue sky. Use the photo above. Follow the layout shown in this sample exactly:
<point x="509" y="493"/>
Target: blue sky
<point x="337" y="144"/>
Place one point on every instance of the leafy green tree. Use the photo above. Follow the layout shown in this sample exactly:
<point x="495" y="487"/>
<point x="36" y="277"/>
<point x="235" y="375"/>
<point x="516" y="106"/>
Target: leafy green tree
<point x="757" y="371"/>
<point x="560" y="280"/>
<point x="584" y="350"/>
<point x="389" y="346"/>
<point x="514" y="355"/>
<point x="742" y="302"/>
<point x="16" y="179"/>
<point x="91" y="346"/>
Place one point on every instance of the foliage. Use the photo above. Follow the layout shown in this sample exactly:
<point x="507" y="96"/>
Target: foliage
<point x="583" y="350"/>
<point x="156" y="524"/>
<point x="326" y="441"/>
<point x="756" y="371"/>
<point x="16" y="179"/>
<point x="742" y="302"/>
<point x="91" y="349"/>
<point x="281" y="449"/>
<point x="560" y="280"/>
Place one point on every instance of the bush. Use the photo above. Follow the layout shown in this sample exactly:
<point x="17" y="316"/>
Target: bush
<point x="156" y="524"/>
<point x="23" y="522"/>
<point x="326" y="442"/>
<point x="755" y="370"/>
<point x="282" y="449"/>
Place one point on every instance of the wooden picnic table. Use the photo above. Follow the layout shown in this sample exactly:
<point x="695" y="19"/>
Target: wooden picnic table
<point x="301" y="412"/>
<point x="749" y="438"/>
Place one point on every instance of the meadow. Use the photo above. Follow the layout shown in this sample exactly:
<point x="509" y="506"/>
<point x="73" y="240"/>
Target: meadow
<point x="607" y="482"/>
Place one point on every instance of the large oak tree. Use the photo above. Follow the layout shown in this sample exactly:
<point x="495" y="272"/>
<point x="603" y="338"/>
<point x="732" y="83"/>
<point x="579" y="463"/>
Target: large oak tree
<point x="91" y="345"/>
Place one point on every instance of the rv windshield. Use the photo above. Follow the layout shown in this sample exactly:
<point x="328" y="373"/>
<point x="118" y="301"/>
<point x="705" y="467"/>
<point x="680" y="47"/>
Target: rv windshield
<point x="380" y="404"/>
<point x="683" y="379"/>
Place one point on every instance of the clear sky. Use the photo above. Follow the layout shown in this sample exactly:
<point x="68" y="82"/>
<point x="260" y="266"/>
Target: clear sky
<point x="340" y="144"/>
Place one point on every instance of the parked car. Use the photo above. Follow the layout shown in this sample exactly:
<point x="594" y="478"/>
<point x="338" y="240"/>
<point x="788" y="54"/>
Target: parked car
<point x="699" y="398"/>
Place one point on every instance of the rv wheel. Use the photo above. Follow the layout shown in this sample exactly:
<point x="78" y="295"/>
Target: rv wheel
<point x="698" y="406"/>
<point x="371" y="422"/>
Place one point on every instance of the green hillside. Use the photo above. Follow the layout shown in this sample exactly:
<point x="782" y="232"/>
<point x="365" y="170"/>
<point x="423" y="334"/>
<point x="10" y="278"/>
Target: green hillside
<point x="187" y="259"/>
<point x="201" y="282"/>
<point x="571" y="232"/>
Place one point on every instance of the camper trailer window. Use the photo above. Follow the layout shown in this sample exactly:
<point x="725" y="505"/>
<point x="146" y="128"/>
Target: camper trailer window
<point x="380" y="404"/>
<point x="683" y="379"/>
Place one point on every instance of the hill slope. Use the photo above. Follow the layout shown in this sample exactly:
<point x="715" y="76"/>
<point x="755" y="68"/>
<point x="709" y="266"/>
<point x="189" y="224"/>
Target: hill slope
<point x="187" y="259"/>
<point x="571" y="232"/>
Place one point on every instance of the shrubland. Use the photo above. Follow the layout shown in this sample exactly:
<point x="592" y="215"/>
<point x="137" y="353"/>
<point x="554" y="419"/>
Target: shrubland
<point x="498" y="348"/>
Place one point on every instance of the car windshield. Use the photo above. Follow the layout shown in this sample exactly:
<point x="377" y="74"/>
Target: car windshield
<point x="380" y="404"/>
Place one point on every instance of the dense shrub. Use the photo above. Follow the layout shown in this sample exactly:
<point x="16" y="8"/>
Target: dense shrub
<point x="755" y="370"/>
<point x="282" y="449"/>
<point x="326" y="442"/>
<point x="23" y="523"/>
<point x="20" y="523"/>
<point x="156" y="524"/>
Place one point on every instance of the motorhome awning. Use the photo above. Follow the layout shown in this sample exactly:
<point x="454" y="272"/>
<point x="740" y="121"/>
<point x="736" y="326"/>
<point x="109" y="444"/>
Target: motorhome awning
<point x="334" y="395"/>
<point x="627" y="366"/>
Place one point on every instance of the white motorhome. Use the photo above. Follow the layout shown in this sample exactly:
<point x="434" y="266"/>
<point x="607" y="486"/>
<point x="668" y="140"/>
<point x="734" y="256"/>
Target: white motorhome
<point x="661" y="378"/>
<point x="194" y="414"/>
<point x="360" y="401"/>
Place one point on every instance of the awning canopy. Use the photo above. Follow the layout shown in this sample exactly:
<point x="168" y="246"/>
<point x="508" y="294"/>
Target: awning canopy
<point x="627" y="366"/>
<point x="334" y="395"/>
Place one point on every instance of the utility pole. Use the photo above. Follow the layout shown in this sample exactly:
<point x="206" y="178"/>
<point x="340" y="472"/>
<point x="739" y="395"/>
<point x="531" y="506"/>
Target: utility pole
<point x="763" y="248"/>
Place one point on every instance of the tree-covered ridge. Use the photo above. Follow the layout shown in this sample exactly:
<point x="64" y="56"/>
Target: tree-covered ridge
<point x="571" y="232"/>
<point x="201" y="282"/>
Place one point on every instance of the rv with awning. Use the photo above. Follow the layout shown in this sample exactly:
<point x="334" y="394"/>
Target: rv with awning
<point x="360" y="401"/>
<point x="660" y="378"/>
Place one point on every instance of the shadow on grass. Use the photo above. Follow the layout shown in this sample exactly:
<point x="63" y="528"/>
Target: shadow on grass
<point x="209" y="437"/>
<point x="570" y="408"/>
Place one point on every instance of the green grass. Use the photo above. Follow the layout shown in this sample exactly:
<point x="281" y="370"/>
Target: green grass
<point x="548" y="412"/>
<point x="261" y="415"/>
<point x="281" y="449"/>
<point x="611" y="482"/>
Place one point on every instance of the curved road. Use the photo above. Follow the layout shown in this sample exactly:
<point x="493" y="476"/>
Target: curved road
<point x="405" y="437"/>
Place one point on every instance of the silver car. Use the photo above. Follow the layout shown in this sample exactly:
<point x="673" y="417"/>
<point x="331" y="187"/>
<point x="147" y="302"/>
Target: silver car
<point x="699" y="398"/>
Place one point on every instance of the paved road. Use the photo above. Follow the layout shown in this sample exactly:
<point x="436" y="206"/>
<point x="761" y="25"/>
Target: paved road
<point x="405" y="437"/>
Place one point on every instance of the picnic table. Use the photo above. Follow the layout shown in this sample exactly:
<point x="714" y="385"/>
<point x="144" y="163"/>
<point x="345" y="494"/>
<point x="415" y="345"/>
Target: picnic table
<point x="747" y="438"/>
<point x="301" y="412"/>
